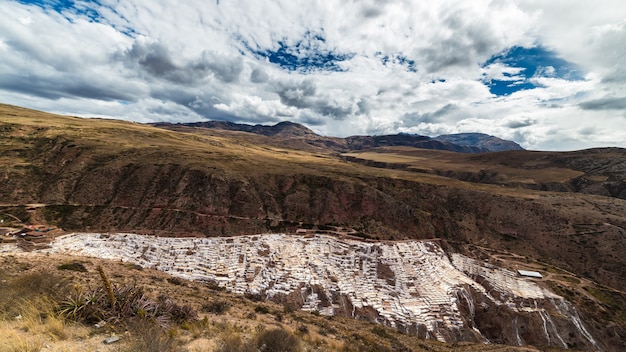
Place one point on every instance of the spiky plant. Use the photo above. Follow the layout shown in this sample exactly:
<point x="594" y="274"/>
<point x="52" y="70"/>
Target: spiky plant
<point x="84" y="305"/>
<point x="107" y="286"/>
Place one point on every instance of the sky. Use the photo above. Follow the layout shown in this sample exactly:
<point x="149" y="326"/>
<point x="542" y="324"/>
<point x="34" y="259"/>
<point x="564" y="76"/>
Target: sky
<point x="547" y="74"/>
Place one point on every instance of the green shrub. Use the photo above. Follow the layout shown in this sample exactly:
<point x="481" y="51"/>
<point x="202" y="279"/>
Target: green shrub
<point x="216" y="307"/>
<point x="73" y="266"/>
<point x="278" y="340"/>
<point x="261" y="309"/>
<point x="380" y="331"/>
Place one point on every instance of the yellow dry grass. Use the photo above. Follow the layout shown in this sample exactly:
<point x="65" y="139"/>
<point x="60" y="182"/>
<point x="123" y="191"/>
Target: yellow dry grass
<point x="38" y="327"/>
<point x="530" y="172"/>
<point x="146" y="144"/>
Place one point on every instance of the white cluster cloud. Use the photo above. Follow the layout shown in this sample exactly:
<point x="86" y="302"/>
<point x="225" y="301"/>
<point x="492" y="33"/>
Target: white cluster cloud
<point x="340" y="67"/>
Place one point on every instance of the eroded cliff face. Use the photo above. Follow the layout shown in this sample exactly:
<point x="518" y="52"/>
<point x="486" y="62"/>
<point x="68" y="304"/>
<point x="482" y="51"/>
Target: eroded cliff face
<point x="414" y="286"/>
<point x="174" y="199"/>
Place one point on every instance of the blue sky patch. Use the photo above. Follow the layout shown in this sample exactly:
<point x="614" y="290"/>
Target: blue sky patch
<point x="68" y="5"/>
<point x="308" y="54"/>
<point x="520" y="65"/>
<point x="397" y="59"/>
<point x="85" y="8"/>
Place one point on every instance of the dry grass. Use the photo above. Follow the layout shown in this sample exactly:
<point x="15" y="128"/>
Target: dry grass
<point x="147" y="336"/>
<point x="28" y="309"/>
<point x="514" y="167"/>
<point x="146" y="144"/>
<point x="276" y="339"/>
<point x="33" y="329"/>
<point x="15" y="341"/>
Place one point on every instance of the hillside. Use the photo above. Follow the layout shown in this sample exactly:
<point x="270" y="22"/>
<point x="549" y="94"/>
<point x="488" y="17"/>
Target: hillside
<point x="566" y="210"/>
<point x="597" y="171"/>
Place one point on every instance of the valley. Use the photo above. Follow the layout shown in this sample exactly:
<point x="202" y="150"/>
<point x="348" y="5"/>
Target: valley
<point x="435" y="236"/>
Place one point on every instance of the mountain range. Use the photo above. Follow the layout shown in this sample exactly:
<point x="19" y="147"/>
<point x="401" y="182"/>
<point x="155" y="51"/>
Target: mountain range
<point x="463" y="142"/>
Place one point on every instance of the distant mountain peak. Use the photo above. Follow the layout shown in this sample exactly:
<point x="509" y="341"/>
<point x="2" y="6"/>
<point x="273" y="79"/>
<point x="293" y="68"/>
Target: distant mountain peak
<point x="480" y="140"/>
<point x="289" y="128"/>
<point x="407" y="140"/>
<point x="281" y="129"/>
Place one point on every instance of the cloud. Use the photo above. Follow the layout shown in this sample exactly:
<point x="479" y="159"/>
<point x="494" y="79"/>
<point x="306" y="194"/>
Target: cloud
<point x="297" y="94"/>
<point x="65" y="87"/>
<point x="414" y="118"/>
<point x="259" y="76"/>
<point x="520" y="123"/>
<point x="156" y="60"/>
<point x="605" y="104"/>
<point x="548" y="75"/>
<point x="589" y="33"/>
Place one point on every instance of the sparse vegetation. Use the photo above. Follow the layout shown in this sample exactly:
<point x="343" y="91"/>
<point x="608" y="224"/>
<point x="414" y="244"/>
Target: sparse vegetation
<point x="147" y="336"/>
<point x="278" y="340"/>
<point x="175" y="280"/>
<point x="42" y="303"/>
<point x="380" y="331"/>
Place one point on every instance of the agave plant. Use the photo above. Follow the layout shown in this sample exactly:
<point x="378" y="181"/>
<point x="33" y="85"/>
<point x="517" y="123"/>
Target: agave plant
<point x="83" y="305"/>
<point x="145" y="307"/>
<point x="121" y="304"/>
<point x="72" y="307"/>
<point x="126" y="300"/>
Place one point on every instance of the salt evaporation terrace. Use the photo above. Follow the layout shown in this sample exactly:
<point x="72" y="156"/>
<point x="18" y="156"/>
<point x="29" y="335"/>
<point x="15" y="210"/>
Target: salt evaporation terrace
<point x="407" y="283"/>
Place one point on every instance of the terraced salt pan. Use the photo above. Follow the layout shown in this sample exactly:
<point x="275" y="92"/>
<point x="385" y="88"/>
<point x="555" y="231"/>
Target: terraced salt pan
<point x="9" y="248"/>
<point x="407" y="283"/>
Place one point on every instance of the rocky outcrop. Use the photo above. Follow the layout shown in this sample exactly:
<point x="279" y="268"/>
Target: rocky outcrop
<point x="414" y="286"/>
